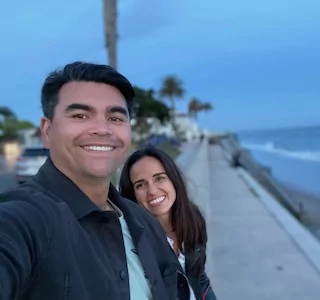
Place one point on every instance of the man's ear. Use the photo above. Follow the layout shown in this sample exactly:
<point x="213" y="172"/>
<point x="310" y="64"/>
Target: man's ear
<point x="45" y="126"/>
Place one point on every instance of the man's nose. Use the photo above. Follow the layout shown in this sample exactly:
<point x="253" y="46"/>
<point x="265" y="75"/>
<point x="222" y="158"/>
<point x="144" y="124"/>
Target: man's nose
<point x="100" y="127"/>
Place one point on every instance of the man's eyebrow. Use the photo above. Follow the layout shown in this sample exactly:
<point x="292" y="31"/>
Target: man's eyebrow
<point x="78" y="106"/>
<point x="118" y="109"/>
<point x="86" y="107"/>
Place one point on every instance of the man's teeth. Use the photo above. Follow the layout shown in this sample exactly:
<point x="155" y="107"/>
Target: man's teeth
<point x="98" y="148"/>
<point x="157" y="200"/>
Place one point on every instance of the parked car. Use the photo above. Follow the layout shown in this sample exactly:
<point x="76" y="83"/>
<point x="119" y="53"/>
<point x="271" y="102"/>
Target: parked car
<point x="30" y="161"/>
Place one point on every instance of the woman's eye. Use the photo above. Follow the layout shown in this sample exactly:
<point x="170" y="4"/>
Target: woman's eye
<point x="139" y="185"/>
<point x="160" y="178"/>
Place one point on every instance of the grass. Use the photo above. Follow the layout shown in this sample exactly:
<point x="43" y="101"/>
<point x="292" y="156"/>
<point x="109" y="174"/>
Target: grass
<point x="172" y="151"/>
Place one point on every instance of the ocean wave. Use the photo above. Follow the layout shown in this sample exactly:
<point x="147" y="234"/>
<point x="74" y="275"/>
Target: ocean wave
<point x="271" y="148"/>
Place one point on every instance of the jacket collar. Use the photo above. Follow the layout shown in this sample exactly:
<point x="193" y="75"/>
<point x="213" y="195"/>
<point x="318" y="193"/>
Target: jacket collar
<point x="193" y="257"/>
<point x="55" y="182"/>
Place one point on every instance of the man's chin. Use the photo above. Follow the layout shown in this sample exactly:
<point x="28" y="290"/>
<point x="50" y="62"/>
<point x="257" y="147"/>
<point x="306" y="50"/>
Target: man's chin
<point x="100" y="173"/>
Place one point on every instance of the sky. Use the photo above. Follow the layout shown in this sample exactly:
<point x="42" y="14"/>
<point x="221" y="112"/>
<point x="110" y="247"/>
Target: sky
<point x="257" y="62"/>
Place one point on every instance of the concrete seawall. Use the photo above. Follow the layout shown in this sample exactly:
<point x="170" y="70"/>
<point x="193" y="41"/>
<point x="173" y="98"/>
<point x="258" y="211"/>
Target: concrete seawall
<point x="304" y="206"/>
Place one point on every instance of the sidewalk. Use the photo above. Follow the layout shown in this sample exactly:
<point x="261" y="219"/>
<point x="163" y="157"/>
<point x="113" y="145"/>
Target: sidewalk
<point x="250" y="255"/>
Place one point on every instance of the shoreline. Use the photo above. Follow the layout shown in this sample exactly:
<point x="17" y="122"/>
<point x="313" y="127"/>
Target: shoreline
<point x="303" y="205"/>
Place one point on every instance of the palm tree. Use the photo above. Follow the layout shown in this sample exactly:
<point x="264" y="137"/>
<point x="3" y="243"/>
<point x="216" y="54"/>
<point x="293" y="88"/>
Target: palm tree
<point x="172" y="88"/>
<point x="207" y="106"/>
<point x="6" y="112"/>
<point x="194" y="107"/>
<point x="7" y="120"/>
<point x="110" y="30"/>
<point x="10" y="125"/>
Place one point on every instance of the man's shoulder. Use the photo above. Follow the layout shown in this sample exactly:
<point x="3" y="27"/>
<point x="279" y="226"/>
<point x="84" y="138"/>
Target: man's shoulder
<point x="143" y="215"/>
<point x="155" y="237"/>
<point x="147" y="220"/>
<point x="20" y="193"/>
<point x="24" y="202"/>
<point x="24" y="220"/>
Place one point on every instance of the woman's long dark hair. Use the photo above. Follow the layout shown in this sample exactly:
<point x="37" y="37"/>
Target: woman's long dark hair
<point x="186" y="218"/>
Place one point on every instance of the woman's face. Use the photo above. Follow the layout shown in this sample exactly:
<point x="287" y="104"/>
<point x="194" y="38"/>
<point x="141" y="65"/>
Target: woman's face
<point x="152" y="187"/>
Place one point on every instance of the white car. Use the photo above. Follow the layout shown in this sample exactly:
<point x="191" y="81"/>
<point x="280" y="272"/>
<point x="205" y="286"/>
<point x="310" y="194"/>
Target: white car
<point x="29" y="162"/>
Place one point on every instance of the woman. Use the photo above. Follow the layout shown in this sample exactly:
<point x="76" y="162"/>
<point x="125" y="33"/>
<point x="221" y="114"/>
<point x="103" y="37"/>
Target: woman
<point x="152" y="179"/>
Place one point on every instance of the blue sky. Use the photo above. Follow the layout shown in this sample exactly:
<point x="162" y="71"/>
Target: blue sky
<point x="257" y="61"/>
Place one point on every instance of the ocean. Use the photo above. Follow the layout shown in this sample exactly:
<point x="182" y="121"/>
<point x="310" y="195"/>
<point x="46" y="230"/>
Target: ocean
<point x="292" y="154"/>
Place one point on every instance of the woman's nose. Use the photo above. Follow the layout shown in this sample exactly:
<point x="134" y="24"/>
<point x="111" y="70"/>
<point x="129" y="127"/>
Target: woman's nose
<point x="152" y="189"/>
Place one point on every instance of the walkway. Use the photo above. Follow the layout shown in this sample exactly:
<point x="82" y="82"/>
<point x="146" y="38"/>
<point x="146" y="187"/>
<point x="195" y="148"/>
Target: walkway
<point x="250" y="254"/>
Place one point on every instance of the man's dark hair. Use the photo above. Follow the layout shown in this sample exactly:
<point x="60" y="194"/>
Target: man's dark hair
<point x="87" y="72"/>
<point x="186" y="218"/>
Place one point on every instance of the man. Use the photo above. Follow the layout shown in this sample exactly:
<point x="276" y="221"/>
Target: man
<point x="67" y="233"/>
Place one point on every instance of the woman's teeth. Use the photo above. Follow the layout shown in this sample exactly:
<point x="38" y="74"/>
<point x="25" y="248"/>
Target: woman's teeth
<point x="157" y="200"/>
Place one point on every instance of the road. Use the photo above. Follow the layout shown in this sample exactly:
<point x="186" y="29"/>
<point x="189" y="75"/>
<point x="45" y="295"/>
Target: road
<point x="7" y="181"/>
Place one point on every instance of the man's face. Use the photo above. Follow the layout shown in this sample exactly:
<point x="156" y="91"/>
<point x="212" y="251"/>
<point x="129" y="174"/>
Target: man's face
<point x="90" y="133"/>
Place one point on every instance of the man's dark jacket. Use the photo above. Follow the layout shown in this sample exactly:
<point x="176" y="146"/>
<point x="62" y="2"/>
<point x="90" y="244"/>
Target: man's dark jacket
<point x="56" y="244"/>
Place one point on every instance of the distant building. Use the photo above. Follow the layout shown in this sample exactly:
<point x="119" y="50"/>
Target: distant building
<point x="187" y="125"/>
<point x="28" y="137"/>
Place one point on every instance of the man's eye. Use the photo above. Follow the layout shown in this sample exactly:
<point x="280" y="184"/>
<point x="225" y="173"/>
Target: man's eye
<point x="79" y="116"/>
<point x="116" y="119"/>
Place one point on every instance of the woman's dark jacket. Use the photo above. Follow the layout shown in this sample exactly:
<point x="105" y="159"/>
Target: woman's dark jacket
<point x="195" y="272"/>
